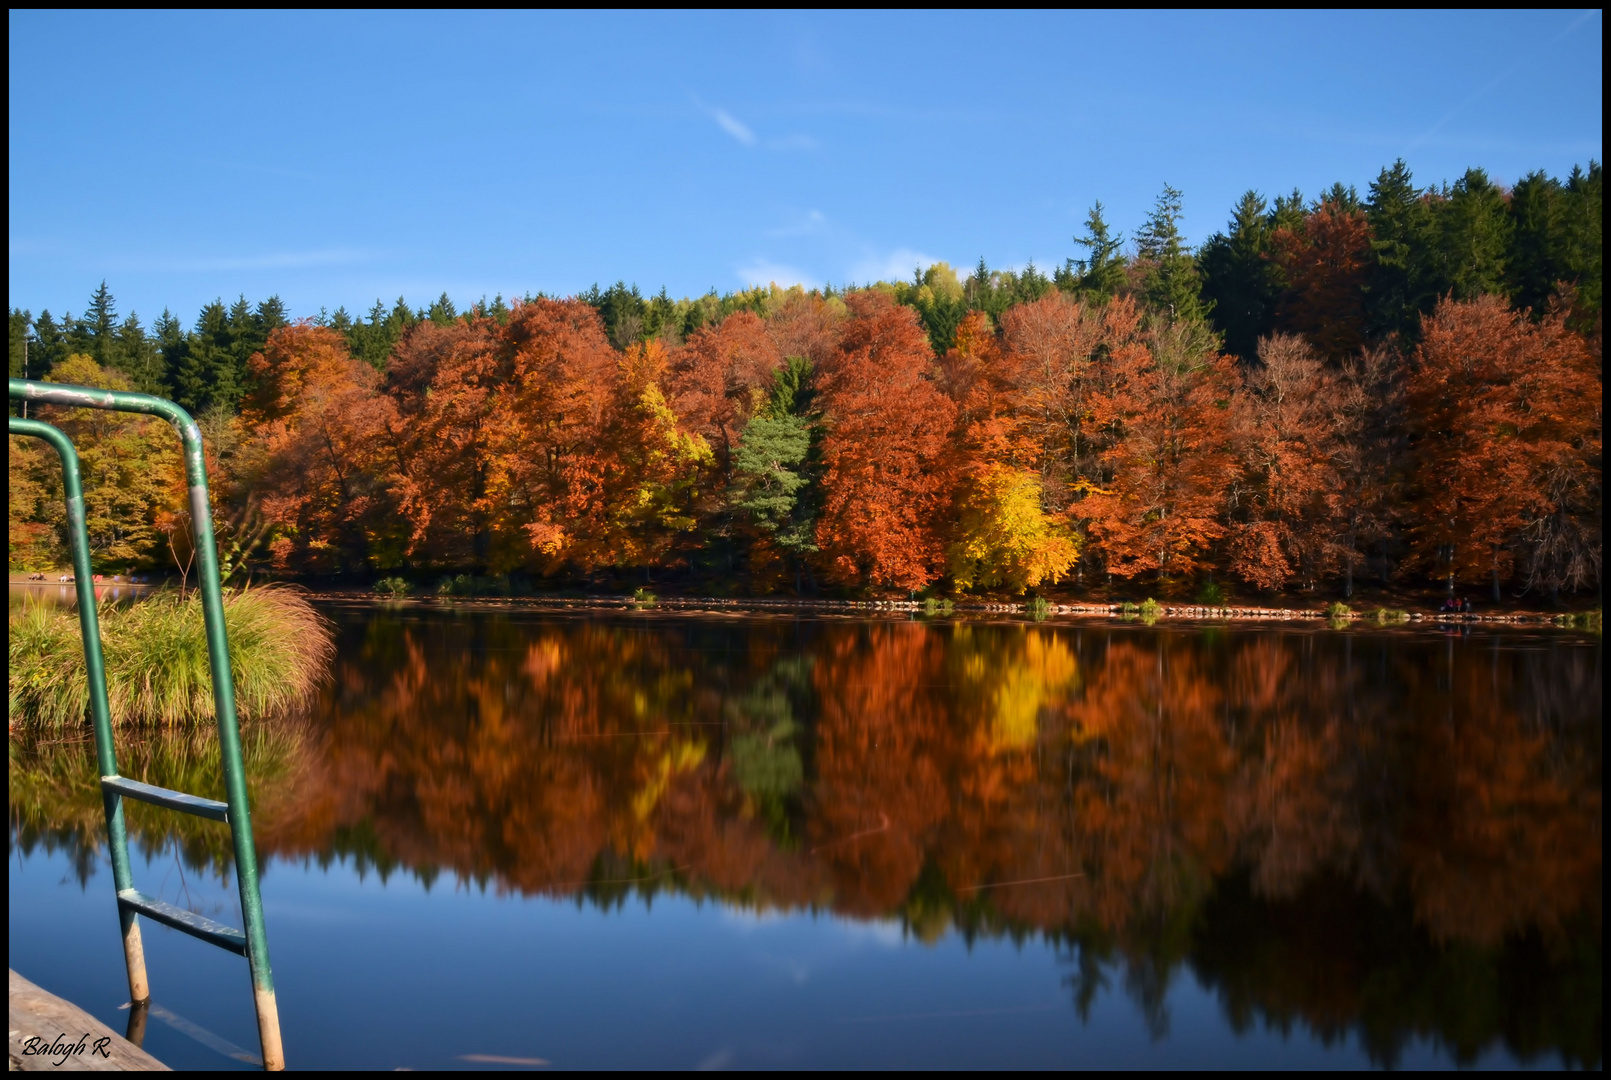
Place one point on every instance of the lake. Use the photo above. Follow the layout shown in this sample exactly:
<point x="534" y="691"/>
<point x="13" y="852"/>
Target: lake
<point x="507" y="838"/>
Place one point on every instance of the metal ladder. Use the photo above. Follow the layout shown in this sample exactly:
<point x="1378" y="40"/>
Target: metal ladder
<point x="252" y="942"/>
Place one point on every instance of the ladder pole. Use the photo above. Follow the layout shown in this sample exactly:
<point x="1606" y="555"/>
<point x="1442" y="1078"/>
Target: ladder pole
<point x="100" y="710"/>
<point x="229" y="739"/>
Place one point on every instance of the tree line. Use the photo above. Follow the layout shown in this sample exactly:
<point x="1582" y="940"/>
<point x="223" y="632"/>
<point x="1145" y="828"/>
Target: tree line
<point x="1399" y="387"/>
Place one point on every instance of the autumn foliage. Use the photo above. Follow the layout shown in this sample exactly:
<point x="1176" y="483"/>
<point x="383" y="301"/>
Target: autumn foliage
<point x="819" y="441"/>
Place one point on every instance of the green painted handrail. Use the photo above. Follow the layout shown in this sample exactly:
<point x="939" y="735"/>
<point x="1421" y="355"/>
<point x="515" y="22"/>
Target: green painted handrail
<point x="130" y="902"/>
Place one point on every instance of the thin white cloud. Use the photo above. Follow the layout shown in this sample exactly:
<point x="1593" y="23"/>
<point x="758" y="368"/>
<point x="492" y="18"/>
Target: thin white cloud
<point x="733" y="126"/>
<point x="766" y="272"/>
<point x="895" y="266"/>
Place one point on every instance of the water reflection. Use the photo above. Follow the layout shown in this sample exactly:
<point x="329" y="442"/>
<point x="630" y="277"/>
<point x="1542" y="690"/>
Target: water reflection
<point x="1386" y="835"/>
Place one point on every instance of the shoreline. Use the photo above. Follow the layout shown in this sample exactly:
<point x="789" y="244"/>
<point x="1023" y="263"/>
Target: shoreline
<point x="1171" y="611"/>
<point x="1193" y="612"/>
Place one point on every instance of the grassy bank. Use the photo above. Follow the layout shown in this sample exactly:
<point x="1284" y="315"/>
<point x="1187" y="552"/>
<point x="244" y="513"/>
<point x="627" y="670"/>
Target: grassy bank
<point x="156" y="659"/>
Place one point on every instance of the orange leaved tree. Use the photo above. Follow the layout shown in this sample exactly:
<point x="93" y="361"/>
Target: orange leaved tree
<point x="633" y="486"/>
<point x="1164" y="414"/>
<point x="888" y="426"/>
<point x="1287" y="500"/>
<point x="544" y="428"/>
<point x="445" y="382"/>
<point x="1506" y="418"/>
<point x="318" y="453"/>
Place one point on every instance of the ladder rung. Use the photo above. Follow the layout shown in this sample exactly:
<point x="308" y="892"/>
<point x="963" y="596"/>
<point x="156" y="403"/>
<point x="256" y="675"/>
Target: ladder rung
<point x="225" y="937"/>
<point x="173" y="800"/>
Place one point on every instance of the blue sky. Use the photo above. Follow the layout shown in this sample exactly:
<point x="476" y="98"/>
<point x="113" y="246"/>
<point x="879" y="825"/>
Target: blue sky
<point x="336" y="158"/>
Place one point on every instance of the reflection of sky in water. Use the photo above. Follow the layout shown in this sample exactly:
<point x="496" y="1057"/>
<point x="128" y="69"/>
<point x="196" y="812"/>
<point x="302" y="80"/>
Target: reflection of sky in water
<point x="380" y="975"/>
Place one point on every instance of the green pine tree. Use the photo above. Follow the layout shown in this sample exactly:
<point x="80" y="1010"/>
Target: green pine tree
<point x="139" y="358"/>
<point x="1171" y="283"/>
<point x="100" y="327"/>
<point x="1100" y="275"/>
<point x="623" y="311"/>
<point x="1240" y="280"/>
<point x="1400" y="286"/>
<point x="939" y="300"/>
<point x="442" y="312"/>
<point x="777" y="464"/>
<point x="1535" y="261"/>
<point x="1582" y="256"/>
<point x="205" y="374"/>
<point x="50" y="346"/>
<point x="1473" y="234"/>
<point x="22" y="326"/>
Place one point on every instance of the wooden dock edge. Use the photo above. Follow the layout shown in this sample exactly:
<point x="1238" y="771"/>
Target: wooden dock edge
<point x="48" y="1033"/>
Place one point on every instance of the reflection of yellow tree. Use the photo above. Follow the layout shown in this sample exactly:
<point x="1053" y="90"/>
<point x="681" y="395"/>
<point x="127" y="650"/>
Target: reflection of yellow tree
<point x="1005" y="825"/>
<point x="1015" y="680"/>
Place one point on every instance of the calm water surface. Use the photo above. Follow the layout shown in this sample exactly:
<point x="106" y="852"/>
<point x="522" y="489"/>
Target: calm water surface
<point x="659" y="840"/>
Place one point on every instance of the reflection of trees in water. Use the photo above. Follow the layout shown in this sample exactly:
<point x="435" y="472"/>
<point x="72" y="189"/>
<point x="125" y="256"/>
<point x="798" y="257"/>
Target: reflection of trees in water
<point x="1383" y="833"/>
<point x="55" y="793"/>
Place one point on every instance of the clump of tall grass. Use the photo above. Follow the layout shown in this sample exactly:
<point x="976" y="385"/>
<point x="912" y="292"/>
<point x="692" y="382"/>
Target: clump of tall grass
<point x="644" y="597"/>
<point x="934" y="605"/>
<point x="1150" y="610"/>
<point x="1039" y="608"/>
<point x="1390" y="615"/>
<point x="156" y="659"/>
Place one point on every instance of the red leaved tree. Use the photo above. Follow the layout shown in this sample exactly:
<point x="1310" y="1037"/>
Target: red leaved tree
<point x="1327" y="265"/>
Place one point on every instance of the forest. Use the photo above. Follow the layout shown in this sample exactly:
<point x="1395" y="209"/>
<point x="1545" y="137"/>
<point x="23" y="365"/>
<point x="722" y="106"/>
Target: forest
<point x="1399" y="390"/>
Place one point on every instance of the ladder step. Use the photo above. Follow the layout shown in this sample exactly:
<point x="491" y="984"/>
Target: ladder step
<point x="173" y="800"/>
<point x="225" y="937"/>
